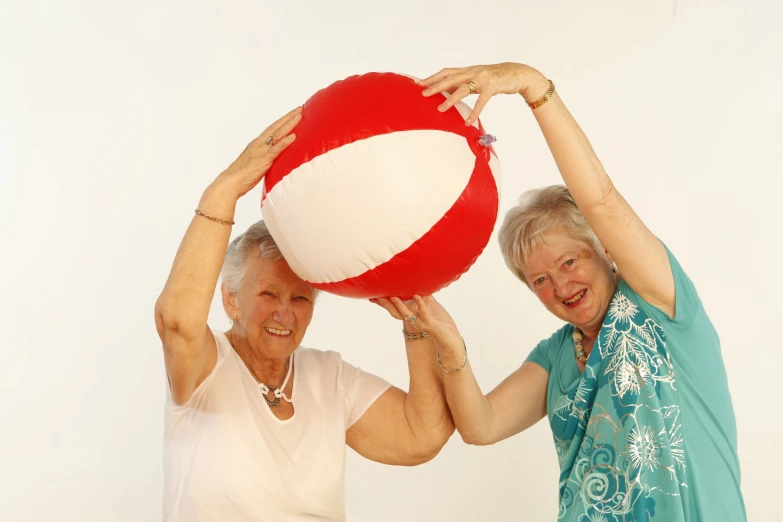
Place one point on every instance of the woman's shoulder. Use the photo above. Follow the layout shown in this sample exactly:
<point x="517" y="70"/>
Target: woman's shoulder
<point x="321" y="359"/>
<point x="687" y="300"/>
<point x="324" y="366"/>
<point x="560" y="335"/>
<point x="555" y="342"/>
<point x="326" y="362"/>
<point x="222" y="343"/>
<point x="546" y="352"/>
<point x="305" y="352"/>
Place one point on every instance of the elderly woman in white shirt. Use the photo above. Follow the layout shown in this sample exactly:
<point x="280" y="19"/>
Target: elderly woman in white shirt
<point x="255" y="424"/>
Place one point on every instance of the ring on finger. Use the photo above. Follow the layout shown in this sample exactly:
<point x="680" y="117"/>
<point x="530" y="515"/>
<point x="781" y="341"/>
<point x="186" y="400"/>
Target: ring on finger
<point x="410" y="318"/>
<point x="270" y="140"/>
<point x="471" y="87"/>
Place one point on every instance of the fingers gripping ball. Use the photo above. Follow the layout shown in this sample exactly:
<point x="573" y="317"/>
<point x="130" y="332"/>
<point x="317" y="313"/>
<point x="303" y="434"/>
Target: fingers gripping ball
<point x="381" y="194"/>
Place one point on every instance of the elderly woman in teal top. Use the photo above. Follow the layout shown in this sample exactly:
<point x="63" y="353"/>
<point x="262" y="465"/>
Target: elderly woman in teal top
<point x="633" y="384"/>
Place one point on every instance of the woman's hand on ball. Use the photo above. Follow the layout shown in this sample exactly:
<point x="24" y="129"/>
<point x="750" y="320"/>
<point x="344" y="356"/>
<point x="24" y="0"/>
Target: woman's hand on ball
<point x="429" y="314"/>
<point x="252" y="165"/>
<point x="489" y="80"/>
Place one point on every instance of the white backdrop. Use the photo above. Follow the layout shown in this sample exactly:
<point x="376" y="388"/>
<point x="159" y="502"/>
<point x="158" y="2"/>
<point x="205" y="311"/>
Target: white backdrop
<point x="114" y="116"/>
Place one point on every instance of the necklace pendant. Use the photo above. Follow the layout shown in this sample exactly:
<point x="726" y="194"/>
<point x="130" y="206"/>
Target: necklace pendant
<point x="277" y="391"/>
<point x="276" y="400"/>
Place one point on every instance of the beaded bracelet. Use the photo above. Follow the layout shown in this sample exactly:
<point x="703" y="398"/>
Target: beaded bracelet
<point x="415" y="335"/>
<point x="212" y="218"/>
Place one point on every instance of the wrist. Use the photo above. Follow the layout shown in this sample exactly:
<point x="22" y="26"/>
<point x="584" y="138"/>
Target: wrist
<point x="219" y="200"/>
<point x="452" y="358"/>
<point x="408" y="328"/>
<point x="452" y="351"/>
<point x="223" y="188"/>
<point x="535" y="87"/>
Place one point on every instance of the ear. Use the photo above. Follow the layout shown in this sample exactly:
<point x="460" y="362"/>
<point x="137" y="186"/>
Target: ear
<point x="609" y="259"/>
<point x="229" y="302"/>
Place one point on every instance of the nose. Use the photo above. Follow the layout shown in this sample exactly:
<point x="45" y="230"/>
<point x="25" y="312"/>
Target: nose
<point x="562" y="286"/>
<point x="284" y="314"/>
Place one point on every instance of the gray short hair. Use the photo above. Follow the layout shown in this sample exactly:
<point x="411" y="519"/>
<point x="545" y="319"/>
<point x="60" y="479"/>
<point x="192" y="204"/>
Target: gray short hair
<point x="538" y="211"/>
<point x="256" y="240"/>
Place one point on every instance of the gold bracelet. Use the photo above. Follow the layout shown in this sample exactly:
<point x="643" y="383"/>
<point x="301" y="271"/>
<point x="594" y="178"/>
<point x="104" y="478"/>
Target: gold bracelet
<point x="545" y="98"/>
<point x="464" y="361"/>
<point x="212" y="218"/>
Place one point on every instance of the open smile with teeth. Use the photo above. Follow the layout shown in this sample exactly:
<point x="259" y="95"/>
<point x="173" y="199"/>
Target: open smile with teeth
<point x="576" y="298"/>
<point x="277" y="332"/>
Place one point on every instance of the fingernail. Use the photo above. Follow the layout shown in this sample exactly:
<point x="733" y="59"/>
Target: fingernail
<point x="442" y="107"/>
<point x="425" y="92"/>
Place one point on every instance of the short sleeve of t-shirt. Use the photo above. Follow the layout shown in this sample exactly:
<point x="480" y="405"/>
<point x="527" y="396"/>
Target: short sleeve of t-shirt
<point x="687" y="302"/>
<point x="362" y="389"/>
<point x="545" y="352"/>
<point x="538" y="356"/>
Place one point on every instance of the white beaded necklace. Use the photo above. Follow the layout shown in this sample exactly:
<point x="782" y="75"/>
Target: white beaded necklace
<point x="579" y="351"/>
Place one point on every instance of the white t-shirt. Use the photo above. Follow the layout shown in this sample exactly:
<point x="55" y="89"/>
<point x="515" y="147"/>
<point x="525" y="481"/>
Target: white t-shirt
<point x="227" y="458"/>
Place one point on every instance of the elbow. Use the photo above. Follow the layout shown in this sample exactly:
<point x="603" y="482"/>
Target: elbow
<point x="419" y="458"/>
<point x="475" y="438"/>
<point x="425" y="454"/>
<point x="171" y="322"/>
<point x="166" y="308"/>
<point x="429" y="448"/>
<point x="472" y="440"/>
<point x="166" y="321"/>
<point x="606" y="199"/>
<point x="164" y="314"/>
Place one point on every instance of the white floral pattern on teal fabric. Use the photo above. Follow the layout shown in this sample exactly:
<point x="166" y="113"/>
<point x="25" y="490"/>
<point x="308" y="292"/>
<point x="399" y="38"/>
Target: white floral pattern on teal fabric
<point x="618" y="433"/>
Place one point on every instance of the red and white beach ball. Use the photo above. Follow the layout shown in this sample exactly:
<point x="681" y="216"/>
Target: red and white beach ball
<point x="381" y="194"/>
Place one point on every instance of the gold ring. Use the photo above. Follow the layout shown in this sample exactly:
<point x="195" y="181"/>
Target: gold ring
<point x="269" y="140"/>
<point x="471" y="87"/>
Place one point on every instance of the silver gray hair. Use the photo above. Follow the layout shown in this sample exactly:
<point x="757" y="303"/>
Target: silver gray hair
<point x="538" y="211"/>
<point x="255" y="240"/>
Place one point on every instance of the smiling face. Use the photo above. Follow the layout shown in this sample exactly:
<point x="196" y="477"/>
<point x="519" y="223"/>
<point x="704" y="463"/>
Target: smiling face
<point x="571" y="279"/>
<point x="274" y="306"/>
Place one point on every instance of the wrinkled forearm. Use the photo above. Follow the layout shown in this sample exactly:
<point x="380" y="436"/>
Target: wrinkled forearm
<point x="470" y="409"/>
<point x="187" y="296"/>
<point x="425" y="405"/>
<point x="579" y="166"/>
